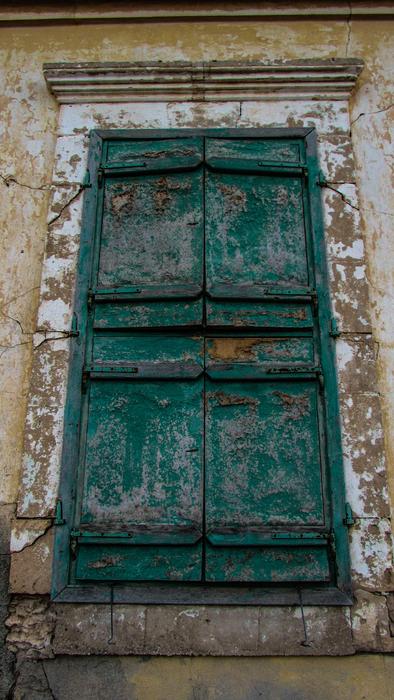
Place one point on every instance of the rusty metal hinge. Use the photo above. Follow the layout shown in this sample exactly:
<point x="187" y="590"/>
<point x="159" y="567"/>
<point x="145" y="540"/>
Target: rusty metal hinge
<point x="74" y="332"/>
<point x="59" y="520"/>
<point x="100" y="177"/>
<point x="315" y="302"/>
<point x="84" y="381"/>
<point x="334" y="331"/>
<point x="349" y="517"/>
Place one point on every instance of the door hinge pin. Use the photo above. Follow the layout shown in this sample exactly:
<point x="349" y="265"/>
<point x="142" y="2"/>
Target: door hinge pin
<point x="349" y="517"/>
<point x="59" y="520"/>
<point x="334" y="330"/>
<point x="100" y="177"/>
<point x="75" y="533"/>
<point x="315" y="302"/>
<point x="86" y="180"/>
<point x="84" y="382"/>
<point x="74" y="326"/>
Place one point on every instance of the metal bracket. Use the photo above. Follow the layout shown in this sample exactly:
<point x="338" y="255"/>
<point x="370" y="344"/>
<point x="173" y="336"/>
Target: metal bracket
<point x="349" y="517"/>
<point x="334" y="331"/>
<point x="74" y="326"/>
<point x="321" y="179"/>
<point x="59" y="520"/>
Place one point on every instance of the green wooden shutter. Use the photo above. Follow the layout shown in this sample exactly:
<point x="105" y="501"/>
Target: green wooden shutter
<point x="203" y="454"/>
<point x="140" y="511"/>
<point x="265" y="516"/>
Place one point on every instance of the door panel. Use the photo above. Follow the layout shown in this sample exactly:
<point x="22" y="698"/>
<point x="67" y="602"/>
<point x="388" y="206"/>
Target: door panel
<point x="146" y="563"/>
<point x="143" y="460"/>
<point x="267" y="564"/>
<point x="263" y="466"/>
<point x="152" y="231"/>
<point x="255" y="231"/>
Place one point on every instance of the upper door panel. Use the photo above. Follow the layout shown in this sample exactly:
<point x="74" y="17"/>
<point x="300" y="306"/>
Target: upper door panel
<point x="152" y="221"/>
<point x="255" y="231"/>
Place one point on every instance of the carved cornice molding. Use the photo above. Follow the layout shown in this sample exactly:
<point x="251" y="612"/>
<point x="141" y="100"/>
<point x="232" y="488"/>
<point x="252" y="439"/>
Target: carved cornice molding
<point x="331" y="79"/>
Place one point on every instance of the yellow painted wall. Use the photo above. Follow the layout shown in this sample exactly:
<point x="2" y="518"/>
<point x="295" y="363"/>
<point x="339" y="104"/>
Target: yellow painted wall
<point x="28" y="124"/>
<point x="355" y="678"/>
<point x="27" y="128"/>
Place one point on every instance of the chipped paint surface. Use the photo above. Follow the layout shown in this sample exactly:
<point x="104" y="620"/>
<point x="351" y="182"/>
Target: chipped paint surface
<point x="31" y="145"/>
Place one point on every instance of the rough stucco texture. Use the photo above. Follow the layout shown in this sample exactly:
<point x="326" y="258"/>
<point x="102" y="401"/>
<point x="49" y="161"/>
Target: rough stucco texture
<point x="29" y="126"/>
<point x="29" y="121"/>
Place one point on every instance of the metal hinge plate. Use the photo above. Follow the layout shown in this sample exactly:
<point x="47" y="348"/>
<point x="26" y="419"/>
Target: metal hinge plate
<point x="334" y="331"/>
<point x="349" y="518"/>
<point x="59" y="520"/>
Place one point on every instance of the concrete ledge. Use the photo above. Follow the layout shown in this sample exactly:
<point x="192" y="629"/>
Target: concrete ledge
<point x="176" y="630"/>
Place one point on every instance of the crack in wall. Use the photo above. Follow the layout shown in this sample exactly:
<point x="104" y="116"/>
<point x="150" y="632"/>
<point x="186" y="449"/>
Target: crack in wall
<point x="369" y="114"/>
<point x="53" y="696"/>
<point x="36" y="539"/>
<point x="64" y="335"/>
<point x="65" y="206"/>
<point x="328" y="185"/>
<point x="342" y="196"/>
<point x="12" y="180"/>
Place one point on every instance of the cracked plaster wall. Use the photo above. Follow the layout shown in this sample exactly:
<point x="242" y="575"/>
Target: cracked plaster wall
<point x="26" y="163"/>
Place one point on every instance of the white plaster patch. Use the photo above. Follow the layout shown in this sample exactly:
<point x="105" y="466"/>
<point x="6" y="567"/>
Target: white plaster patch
<point x="65" y="213"/>
<point x="215" y="114"/>
<point x="55" y="315"/>
<point x="81" y="118"/>
<point x="193" y="613"/>
<point x="371" y="550"/>
<point x="71" y="159"/>
<point x="41" y="463"/>
<point x="342" y="251"/>
<point x="359" y="272"/>
<point x="336" y="159"/>
<point x="335" y="209"/>
<point x="326" y="117"/>
<point x="344" y="353"/>
<point x="23" y="534"/>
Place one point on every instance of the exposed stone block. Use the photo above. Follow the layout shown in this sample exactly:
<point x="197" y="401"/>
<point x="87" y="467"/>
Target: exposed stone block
<point x="70" y="159"/>
<point x="31" y="560"/>
<point x="80" y="119"/>
<point x="356" y="364"/>
<point x="86" y="629"/>
<point x="332" y="118"/>
<point x="371" y="551"/>
<point x="31" y="682"/>
<point x="364" y="455"/>
<point x="336" y="158"/>
<point x="6" y="514"/>
<point x="209" y="114"/>
<point x="370" y="623"/>
<point x="30" y="623"/>
<point x="342" y="227"/>
<point x="201" y="630"/>
<point x="350" y="296"/>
